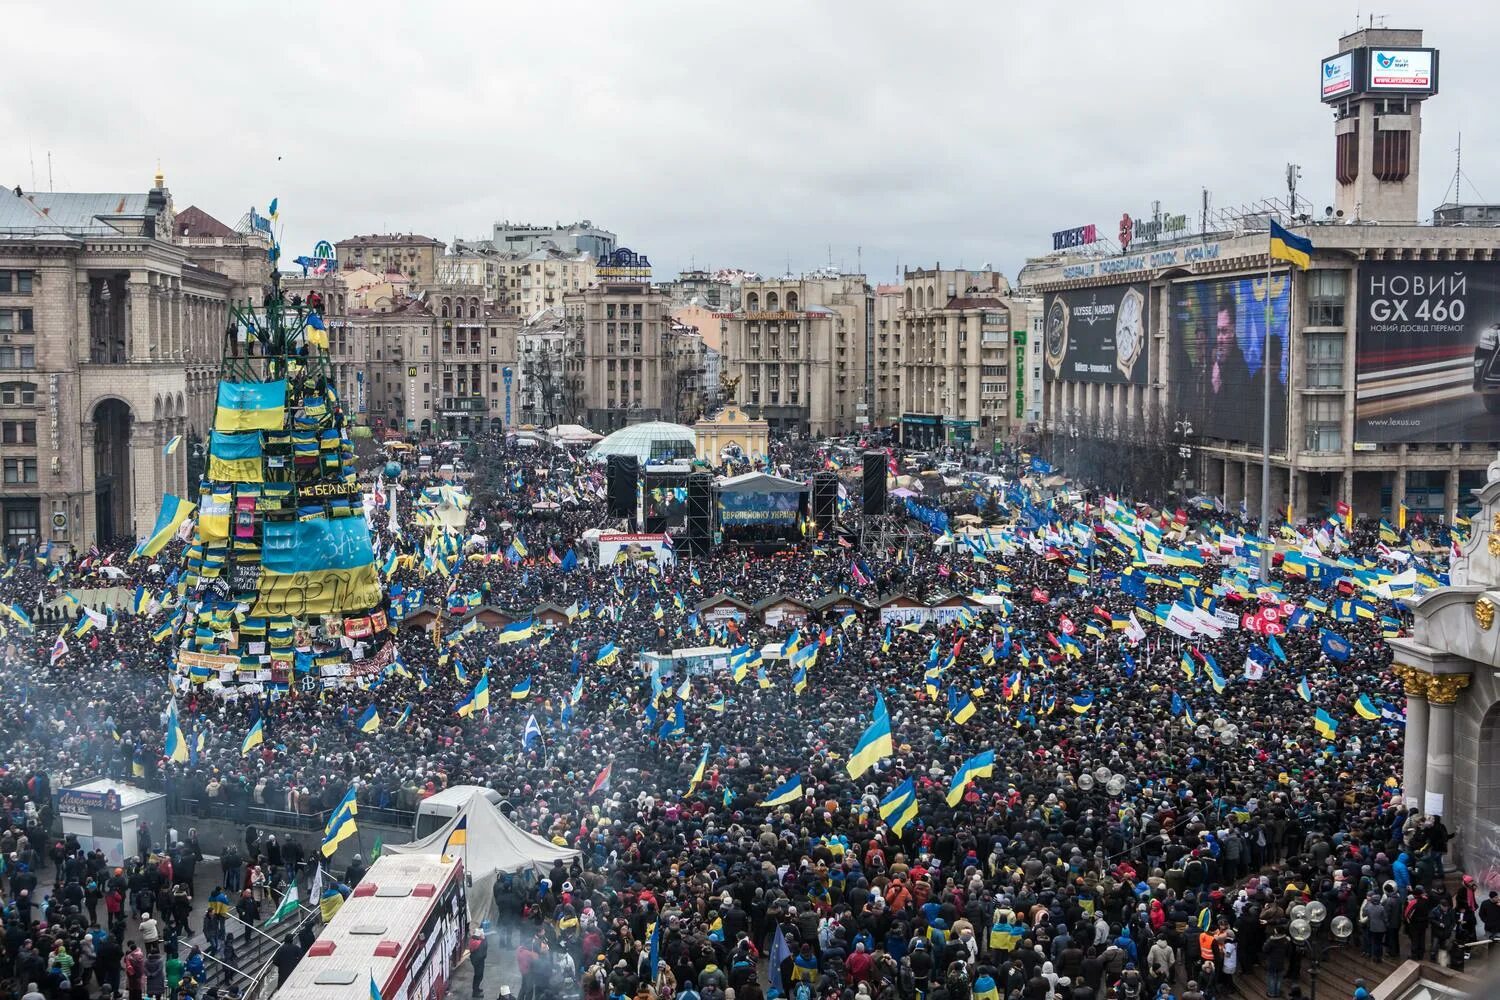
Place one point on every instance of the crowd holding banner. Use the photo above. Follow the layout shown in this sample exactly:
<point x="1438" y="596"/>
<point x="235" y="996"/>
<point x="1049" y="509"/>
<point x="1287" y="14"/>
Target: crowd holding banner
<point x="1111" y="777"/>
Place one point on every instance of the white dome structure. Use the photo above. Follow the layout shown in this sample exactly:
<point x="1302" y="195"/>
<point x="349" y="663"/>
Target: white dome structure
<point x="653" y="441"/>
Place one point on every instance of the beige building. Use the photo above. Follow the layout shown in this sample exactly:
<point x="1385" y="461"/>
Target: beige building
<point x="799" y="346"/>
<point x="626" y="361"/>
<point x="111" y="331"/>
<point x="957" y="357"/>
<point x="886" y="402"/>
<point x="415" y="257"/>
<point x="731" y="430"/>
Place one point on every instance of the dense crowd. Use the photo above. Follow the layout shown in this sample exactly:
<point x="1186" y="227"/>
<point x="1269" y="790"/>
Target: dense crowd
<point x="1046" y="880"/>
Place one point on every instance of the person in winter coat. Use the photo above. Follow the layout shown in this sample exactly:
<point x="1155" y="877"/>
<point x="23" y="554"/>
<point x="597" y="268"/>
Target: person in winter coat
<point x="1372" y="919"/>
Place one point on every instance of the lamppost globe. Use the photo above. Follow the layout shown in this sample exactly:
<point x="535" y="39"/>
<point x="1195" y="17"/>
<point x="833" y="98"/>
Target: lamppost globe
<point x="1316" y="912"/>
<point x="1300" y="930"/>
<point x="1342" y="927"/>
<point x="1297" y="912"/>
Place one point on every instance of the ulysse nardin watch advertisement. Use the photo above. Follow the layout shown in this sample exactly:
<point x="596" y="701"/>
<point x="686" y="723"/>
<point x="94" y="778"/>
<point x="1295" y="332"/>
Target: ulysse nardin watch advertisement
<point x="1097" y="335"/>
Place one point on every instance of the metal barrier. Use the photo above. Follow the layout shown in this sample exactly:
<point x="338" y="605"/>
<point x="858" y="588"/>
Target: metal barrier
<point x="404" y="819"/>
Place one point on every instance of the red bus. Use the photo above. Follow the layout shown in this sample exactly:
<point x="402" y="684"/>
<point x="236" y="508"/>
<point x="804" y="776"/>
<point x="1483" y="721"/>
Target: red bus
<point x="406" y="924"/>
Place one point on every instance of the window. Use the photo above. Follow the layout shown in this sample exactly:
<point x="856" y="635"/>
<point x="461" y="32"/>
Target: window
<point x="1324" y="423"/>
<point x="1326" y="292"/>
<point x="20" y="470"/>
<point x="11" y="357"/>
<point x="18" y="432"/>
<point x="1325" y="360"/>
<point x="16" y="321"/>
<point x="15" y="282"/>
<point x="18" y="394"/>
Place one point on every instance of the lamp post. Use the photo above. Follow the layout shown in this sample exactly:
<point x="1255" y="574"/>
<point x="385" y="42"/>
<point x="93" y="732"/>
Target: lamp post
<point x="1307" y="930"/>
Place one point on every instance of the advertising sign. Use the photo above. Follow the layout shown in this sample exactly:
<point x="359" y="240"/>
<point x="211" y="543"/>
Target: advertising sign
<point x="1338" y="76"/>
<point x="1403" y="69"/>
<point x="1080" y="236"/>
<point x="1427" y="364"/>
<point x="638" y="547"/>
<point x="1219" y="350"/>
<point x="1096" y="335"/>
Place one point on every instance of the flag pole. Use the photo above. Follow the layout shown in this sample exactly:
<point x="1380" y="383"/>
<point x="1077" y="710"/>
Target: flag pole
<point x="1265" y="433"/>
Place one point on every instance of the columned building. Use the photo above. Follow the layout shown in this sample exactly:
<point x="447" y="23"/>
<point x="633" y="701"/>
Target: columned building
<point x="112" y="326"/>
<point x="619" y="367"/>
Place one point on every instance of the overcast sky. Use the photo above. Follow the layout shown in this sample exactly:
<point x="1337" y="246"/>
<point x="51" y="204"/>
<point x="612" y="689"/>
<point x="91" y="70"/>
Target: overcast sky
<point x="745" y="135"/>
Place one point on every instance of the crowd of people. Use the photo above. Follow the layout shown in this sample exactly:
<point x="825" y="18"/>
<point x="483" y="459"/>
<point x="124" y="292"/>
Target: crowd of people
<point x="1145" y="829"/>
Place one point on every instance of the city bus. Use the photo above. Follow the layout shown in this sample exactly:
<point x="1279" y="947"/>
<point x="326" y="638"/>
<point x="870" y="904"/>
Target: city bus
<point x="406" y="925"/>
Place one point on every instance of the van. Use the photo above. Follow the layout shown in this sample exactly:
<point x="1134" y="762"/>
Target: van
<point x="436" y="810"/>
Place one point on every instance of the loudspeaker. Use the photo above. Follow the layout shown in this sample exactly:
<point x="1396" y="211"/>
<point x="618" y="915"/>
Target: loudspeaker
<point x="874" y="482"/>
<point x="825" y="498"/>
<point x="700" y="513"/>
<point x="621" y="473"/>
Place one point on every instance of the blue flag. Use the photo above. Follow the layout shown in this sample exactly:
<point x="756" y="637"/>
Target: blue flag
<point x="1276" y="649"/>
<point x="1335" y="645"/>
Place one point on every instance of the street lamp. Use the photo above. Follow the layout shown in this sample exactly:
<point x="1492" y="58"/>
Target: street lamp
<point x="1305" y="929"/>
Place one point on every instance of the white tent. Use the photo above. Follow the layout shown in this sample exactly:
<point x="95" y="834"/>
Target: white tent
<point x="493" y="846"/>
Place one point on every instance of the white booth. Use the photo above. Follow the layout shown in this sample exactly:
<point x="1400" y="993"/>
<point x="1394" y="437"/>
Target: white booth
<point x="108" y="814"/>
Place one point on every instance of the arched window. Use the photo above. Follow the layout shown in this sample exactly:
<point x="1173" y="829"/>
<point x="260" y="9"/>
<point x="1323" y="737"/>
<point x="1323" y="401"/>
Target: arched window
<point x="752" y="302"/>
<point x="791" y="301"/>
<point x="773" y="302"/>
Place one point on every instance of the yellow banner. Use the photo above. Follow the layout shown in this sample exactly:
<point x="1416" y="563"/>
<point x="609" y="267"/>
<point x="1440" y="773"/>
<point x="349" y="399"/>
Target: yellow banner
<point x="320" y="592"/>
<point x="235" y="470"/>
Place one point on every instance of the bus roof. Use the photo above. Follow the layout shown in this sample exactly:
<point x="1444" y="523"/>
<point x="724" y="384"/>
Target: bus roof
<point x="373" y="929"/>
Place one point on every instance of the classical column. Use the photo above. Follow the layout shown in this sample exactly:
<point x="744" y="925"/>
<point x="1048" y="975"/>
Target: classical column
<point x="1414" y="763"/>
<point x="1442" y="693"/>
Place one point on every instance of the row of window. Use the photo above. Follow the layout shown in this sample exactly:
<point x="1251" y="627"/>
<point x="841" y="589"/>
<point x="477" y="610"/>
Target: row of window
<point x="15" y="282"/>
<point x="631" y="311"/>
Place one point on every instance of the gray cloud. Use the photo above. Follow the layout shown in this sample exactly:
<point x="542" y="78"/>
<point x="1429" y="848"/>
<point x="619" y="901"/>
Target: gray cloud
<point x="726" y="135"/>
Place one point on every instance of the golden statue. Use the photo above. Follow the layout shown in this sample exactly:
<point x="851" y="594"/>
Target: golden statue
<point x="728" y="386"/>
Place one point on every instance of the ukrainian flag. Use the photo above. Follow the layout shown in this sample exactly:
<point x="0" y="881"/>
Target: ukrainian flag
<point x="176" y="749"/>
<point x="18" y="613"/>
<point x="979" y="766"/>
<point x="1082" y="702"/>
<point x="235" y="457"/>
<point x="698" y="773"/>
<point x="1326" y="725"/>
<point x="799" y="680"/>
<point x="900" y="807"/>
<point x="317" y="332"/>
<point x="251" y="406"/>
<point x="1365" y="708"/>
<point x="340" y="826"/>
<point x="521" y="691"/>
<point x="1290" y="247"/>
<point x="369" y="722"/>
<point x="481" y="699"/>
<point x="1304" y="690"/>
<point x="961" y="707"/>
<point x="516" y="632"/>
<point x="790" y="791"/>
<point x="762" y="678"/>
<point x="873" y="745"/>
<point x="608" y="654"/>
<point x="1078" y="575"/>
<point x="254" y="738"/>
<point x="174" y="510"/>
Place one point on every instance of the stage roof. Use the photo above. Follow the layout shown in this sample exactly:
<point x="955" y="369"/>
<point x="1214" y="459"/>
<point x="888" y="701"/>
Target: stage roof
<point x="760" y="482"/>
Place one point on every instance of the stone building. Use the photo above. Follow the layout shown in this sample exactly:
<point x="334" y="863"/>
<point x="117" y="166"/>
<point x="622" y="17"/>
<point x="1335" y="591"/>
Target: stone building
<point x="112" y="326"/>
<point x="957" y="355"/>
<point x="619" y="365"/>
<point x="800" y="346"/>
<point x="415" y="257"/>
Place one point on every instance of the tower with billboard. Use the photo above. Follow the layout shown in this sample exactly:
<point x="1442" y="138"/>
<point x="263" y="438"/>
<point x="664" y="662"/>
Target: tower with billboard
<point x="1376" y="84"/>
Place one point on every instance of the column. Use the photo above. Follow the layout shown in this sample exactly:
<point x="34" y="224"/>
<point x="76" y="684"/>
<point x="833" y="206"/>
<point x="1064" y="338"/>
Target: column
<point x="1450" y="488"/>
<point x="145" y="494"/>
<point x="1414" y="762"/>
<point x="82" y="309"/>
<point x="1442" y="693"/>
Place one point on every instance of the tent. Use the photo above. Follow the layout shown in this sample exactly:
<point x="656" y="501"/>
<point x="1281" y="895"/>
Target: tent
<point x="494" y="846"/>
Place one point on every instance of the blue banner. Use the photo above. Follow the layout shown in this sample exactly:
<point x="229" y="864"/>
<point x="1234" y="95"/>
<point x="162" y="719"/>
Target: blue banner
<point x="758" y="508"/>
<point x="936" y="520"/>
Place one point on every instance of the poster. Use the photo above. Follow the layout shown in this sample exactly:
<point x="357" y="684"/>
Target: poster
<point x="1097" y="335"/>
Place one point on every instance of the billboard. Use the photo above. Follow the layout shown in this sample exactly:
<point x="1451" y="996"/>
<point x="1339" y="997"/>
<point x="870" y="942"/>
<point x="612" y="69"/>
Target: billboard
<point x="1425" y="367"/>
<point x="1097" y="335"/>
<point x="1410" y="70"/>
<point x="1219" y="348"/>
<point x="759" y="508"/>
<point x="637" y="547"/>
<point x="1338" y="76"/>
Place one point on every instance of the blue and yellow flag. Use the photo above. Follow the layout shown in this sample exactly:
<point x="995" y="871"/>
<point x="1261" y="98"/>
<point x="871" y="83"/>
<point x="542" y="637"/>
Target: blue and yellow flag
<point x="1290" y="247"/>
<point x="697" y="778"/>
<point x="254" y="738"/>
<point x="608" y="654"/>
<point x="522" y="690"/>
<point x="875" y="744"/>
<point x="1326" y="725"/>
<point x="961" y="707"/>
<point x="516" y="632"/>
<point x="369" y="722"/>
<point x="1366" y="708"/>
<point x="251" y="406"/>
<point x="176" y="748"/>
<point x="900" y="806"/>
<point x="981" y="765"/>
<point x="457" y="837"/>
<point x="174" y="510"/>
<point x="1304" y="690"/>
<point x="789" y="791"/>
<point x="340" y="826"/>
<point x="481" y="699"/>
<point x="235" y="457"/>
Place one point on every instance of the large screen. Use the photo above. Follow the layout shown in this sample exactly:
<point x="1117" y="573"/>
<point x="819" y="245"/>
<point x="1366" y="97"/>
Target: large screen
<point x="758" y="508"/>
<point x="1413" y="70"/>
<point x="1097" y="335"/>
<point x="1425" y="364"/>
<point x="1338" y="76"/>
<point x="1219" y="351"/>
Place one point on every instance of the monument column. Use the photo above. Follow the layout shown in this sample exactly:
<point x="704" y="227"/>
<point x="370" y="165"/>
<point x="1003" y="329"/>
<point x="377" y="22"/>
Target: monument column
<point x="1442" y="693"/>
<point x="1414" y="764"/>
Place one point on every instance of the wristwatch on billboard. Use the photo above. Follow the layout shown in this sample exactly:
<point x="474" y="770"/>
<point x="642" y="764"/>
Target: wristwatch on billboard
<point x="1129" y="336"/>
<point x="1055" y="339"/>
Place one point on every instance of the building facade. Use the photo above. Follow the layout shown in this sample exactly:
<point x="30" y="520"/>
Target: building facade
<point x="408" y="254"/>
<point x="111" y="333"/>
<point x="1374" y="363"/>
<point x="519" y="239"/>
<point x="619" y="366"/>
<point x="889" y="364"/>
<point x="958" y="336"/>
<point x="799" y="345"/>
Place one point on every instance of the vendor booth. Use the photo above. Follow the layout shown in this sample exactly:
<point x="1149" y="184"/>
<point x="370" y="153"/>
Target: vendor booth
<point x="108" y="815"/>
